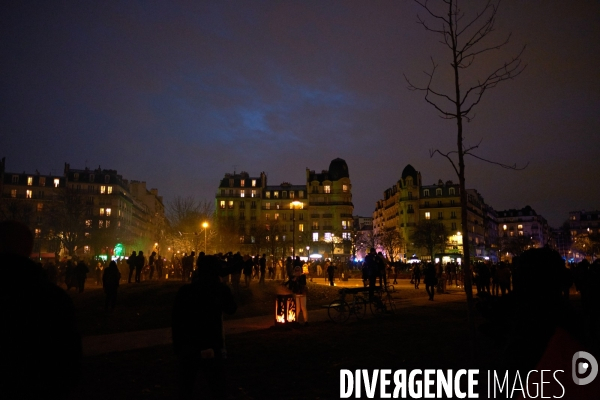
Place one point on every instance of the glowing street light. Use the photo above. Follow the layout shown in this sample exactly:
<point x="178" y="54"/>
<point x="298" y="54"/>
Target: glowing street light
<point x="205" y="226"/>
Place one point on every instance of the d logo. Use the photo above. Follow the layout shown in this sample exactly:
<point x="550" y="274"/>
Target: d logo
<point x="580" y="368"/>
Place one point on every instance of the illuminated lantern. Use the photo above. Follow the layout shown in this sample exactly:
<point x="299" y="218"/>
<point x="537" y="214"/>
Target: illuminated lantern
<point x="285" y="309"/>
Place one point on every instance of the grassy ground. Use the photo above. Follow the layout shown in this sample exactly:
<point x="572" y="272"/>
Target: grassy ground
<point x="301" y="363"/>
<point x="147" y="305"/>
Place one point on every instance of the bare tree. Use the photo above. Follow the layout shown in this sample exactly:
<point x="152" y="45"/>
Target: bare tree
<point x="365" y="240"/>
<point x="69" y="216"/>
<point x="392" y="242"/>
<point x="186" y="216"/>
<point x="430" y="235"/>
<point x="466" y="38"/>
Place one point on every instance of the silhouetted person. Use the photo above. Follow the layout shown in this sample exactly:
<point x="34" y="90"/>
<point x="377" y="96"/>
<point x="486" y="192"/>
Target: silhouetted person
<point x="151" y="263"/>
<point x="81" y="271"/>
<point x="417" y="275"/>
<point x="247" y="269"/>
<point x="430" y="280"/>
<point x="542" y="331"/>
<point x="70" y="280"/>
<point x="371" y="268"/>
<point x="140" y="261"/>
<point x="331" y="273"/>
<point x="197" y="328"/>
<point x="131" y="261"/>
<point x="263" y="268"/>
<point x="110" y="282"/>
<point x="39" y="342"/>
<point x="159" y="266"/>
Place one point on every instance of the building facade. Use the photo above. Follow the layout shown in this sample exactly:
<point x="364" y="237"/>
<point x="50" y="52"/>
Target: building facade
<point x="409" y="201"/>
<point x="311" y="218"/>
<point x="524" y="222"/>
<point x="84" y="212"/>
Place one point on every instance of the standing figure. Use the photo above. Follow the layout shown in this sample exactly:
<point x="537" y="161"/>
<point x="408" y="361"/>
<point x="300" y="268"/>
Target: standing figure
<point x="131" y="261"/>
<point x="430" y="280"/>
<point x="247" y="269"/>
<point x="263" y="268"/>
<point x="197" y="328"/>
<point x="81" y="271"/>
<point x="417" y="275"/>
<point x="159" y="266"/>
<point x="298" y="286"/>
<point x="140" y="261"/>
<point x="151" y="263"/>
<point x="110" y="283"/>
<point x="38" y="325"/>
<point x="331" y="273"/>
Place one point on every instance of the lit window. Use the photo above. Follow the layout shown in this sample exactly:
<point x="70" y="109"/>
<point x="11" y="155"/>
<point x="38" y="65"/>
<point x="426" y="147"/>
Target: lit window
<point x="88" y="223"/>
<point x="38" y="231"/>
<point x="315" y="236"/>
<point x="345" y="188"/>
<point x="346" y="235"/>
<point x="29" y="180"/>
<point x="108" y="210"/>
<point x="102" y="189"/>
<point x="242" y="182"/>
<point x="101" y="223"/>
<point x="276" y="194"/>
<point x="253" y="182"/>
<point x="315" y="225"/>
<point x="266" y="217"/>
<point x="56" y="182"/>
<point x="109" y="189"/>
<point x="291" y="194"/>
<point x="242" y="192"/>
<point x="28" y="194"/>
<point x="40" y="207"/>
<point x="222" y="204"/>
<point x="13" y="193"/>
<point x="268" y="195"/>
<point x="107" y="223"/>
<point x="42" y="181"/>
<point x="242" y="239"/>
<point x="427" y="215"/>
<point x="520" y="233"/>
<point x="102" y="211"/>
<point x="253" y="193"/>
<point x="230" y="205"/>
<point x="504" y="227"/>
<point x="276" y="216"/>
<point x="327" y="189"/>
<point x="300" y="227"/>
<point x="267" y="206"/>
<point x="344" y="224"/>
<point x="519" y="226"/>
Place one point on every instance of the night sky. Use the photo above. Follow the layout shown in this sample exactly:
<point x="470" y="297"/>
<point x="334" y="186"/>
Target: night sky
<point x="177" y="93"/>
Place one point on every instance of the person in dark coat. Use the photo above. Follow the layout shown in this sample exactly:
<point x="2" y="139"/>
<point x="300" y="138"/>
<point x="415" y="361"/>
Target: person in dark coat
<point x="39" y="344"/>
<point x="131" y="261"/>
<point x="151" y="263"/>
<point x="197" y="328"/>
<point x="430" y="280"/>
<point x="81" y="271"/>
<point x="110" y="283"/>
<point x="140" y="261"/>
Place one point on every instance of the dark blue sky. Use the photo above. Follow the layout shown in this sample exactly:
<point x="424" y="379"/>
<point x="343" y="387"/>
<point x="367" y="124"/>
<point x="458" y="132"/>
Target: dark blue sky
<point x="178" y="93"/>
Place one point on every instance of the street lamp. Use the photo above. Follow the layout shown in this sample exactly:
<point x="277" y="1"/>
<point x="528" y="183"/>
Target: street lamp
<point x="293" y="206"/>
<point x="205" y="225"/>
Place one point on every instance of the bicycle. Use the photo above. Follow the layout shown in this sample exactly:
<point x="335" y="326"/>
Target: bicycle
<point x="340" y="310"/>
<point x="382" y="303"/>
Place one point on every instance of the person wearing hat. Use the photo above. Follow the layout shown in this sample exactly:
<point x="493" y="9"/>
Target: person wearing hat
<point x="298" y="287"/>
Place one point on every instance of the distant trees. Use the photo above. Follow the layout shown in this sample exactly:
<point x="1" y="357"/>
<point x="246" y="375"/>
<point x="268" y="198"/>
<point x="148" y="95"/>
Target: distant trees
<point x="365" y="240"/>
<point x="392" y="242"/>
<point x="430" y="235"/>
<point x="587" y="244"/>
<point x="186" y="216"/>
<point x="516" y="245"/>
<point x="68" y="218"/>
